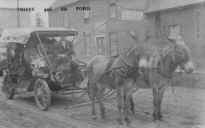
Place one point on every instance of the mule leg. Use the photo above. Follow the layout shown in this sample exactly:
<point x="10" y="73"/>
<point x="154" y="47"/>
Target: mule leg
<point x="132" y="105"/>
<point x="157" y="100"/>
<point x="155" y="104"/>
<point x="99" y="97"/>
<point x="131" y="101"/>
<point x="161" y="94"/>
<point x="92" y="95"/>
<point x="94" y="116"/>
<point x="127" y="107"/>
<point x="120" y="105"/>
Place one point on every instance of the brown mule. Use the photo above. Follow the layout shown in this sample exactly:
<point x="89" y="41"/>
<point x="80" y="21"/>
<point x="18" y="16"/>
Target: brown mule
<point x="157" y="66"/>
<point x="120" y="74"/>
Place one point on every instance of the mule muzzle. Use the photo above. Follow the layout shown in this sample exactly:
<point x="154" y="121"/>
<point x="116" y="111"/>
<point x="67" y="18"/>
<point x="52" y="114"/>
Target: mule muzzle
<point x="189" y="67"/>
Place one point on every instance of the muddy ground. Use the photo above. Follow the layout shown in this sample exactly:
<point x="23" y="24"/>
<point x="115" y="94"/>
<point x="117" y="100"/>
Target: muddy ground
<point x="183" y="107"/>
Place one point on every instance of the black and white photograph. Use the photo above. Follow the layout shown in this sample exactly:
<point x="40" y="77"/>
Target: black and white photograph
<point x="102" y="63"/>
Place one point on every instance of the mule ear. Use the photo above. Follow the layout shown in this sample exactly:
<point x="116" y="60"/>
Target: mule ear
<point x="173" y="41"/>
<point x="170" y="39"/>
<point x="133" y="35"/>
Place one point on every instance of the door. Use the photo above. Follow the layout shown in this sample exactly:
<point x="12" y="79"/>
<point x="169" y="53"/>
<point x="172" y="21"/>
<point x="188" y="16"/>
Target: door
<point x="100" y="41"/>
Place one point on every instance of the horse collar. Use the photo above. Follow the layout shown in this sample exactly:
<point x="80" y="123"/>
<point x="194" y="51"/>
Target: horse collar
<point x="125" y="63"/>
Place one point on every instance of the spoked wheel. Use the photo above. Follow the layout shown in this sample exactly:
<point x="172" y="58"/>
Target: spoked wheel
<point x="8" y="88"/>
<point x="42" y="94"/>
<point x="9" y="93"/>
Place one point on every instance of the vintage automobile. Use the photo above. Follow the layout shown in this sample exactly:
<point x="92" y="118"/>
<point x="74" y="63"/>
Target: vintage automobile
<point x="39" y="62"/>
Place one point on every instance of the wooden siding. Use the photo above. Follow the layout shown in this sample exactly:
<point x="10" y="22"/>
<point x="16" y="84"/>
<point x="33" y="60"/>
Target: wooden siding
<point x="75" y="19"/>
<point x="190" y="19"/>
<point x="99" y="24"/>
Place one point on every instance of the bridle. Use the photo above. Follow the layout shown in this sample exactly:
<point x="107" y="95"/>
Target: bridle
<point x="127" y="70"/>
<point x="173" y="51"/>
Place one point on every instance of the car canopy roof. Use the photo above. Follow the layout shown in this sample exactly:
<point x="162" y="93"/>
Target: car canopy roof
<point x="21" y="35"/>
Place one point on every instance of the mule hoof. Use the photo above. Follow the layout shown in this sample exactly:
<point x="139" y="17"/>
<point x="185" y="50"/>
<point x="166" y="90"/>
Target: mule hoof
<point x="120" y="122"/>
<point x="160" y="117"/>
<point x="128" y="121"/>
<point x="102" y="115"/>
<point x="94" y="117"/>
<point x="157" y="117"/>
<point x="135" y="116"/>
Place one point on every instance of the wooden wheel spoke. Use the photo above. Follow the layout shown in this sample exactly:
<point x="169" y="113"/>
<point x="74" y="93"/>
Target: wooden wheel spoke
<point x="42" y="94"/>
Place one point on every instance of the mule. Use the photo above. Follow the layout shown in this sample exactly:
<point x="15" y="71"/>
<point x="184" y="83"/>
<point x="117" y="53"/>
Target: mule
<point x="117" y="73"/>
<point x="156" y="65"/>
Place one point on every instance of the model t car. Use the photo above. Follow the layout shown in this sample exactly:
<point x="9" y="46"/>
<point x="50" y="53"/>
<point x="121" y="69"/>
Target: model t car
<point x="38" y="62"/>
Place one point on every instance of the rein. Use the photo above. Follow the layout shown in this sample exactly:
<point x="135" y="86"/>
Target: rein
<point x="159" y="64"/>
<point x="125" y="63"/>
<point x="126" y="70"/>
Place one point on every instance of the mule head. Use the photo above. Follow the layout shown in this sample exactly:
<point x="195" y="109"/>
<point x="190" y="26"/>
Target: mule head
<point x="188" y="67"/>
<point x="130" y="57"/>
<point x="182" y="55"/>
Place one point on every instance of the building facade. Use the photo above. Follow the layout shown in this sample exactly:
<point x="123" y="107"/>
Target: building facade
<point x="8" y="18"/>
<point x="185" y="19"/>
<point x="103" y="26"/>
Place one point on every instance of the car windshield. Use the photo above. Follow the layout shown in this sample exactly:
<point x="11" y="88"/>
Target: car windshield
<point x="57" y="43"/>
<point x="57" y="36"/>
<point x="50" y="37"/>
<point x="56" y="39"/>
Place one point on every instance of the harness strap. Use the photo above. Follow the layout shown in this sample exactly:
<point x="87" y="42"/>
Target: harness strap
<point x="125" y="63"/>
<point x="158" y="65"/>
<point x="112" y="59"/>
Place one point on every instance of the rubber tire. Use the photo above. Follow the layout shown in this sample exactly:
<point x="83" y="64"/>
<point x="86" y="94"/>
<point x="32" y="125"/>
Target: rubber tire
<point x="45" y="92"/>
<point x="9" y="92"/>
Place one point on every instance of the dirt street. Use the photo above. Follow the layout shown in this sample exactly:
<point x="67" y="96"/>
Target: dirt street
<point x="183" y="107"/>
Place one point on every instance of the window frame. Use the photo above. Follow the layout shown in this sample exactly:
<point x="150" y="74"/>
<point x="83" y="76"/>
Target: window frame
<point x="179" y="32"/>
<point x="113" y="10"/>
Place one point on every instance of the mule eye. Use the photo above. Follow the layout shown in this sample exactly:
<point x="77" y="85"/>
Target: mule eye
<point x="32" y="66"/>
